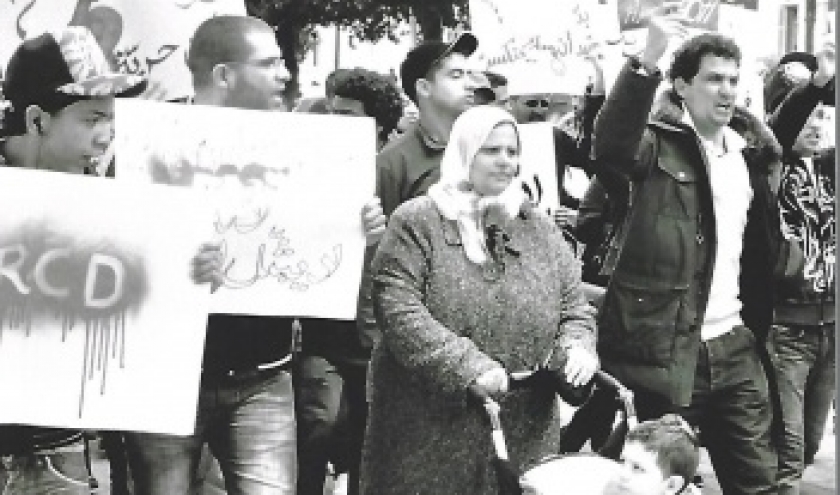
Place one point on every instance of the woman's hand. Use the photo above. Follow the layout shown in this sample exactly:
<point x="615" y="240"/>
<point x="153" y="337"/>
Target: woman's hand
<point x="581" y="364"/>
<point x="493" y="382"/>
<point x="207" y="265"/>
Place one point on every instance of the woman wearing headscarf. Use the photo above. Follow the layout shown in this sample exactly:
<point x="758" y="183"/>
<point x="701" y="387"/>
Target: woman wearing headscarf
<point x="469" y="281"/>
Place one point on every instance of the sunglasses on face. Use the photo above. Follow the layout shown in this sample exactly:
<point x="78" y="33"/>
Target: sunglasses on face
<point x="536" y="103"/>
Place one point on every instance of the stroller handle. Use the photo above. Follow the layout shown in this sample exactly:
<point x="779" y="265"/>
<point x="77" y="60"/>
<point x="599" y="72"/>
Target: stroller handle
<point x="625" y="395"/>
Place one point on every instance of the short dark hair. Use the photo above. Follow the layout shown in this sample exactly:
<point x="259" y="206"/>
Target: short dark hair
<point x="673" y="442"/>
<point x="218" y="40"/>
<point x="379" y="95"/>
<point x="687" y="58"/>
<point x="329" y="83"/>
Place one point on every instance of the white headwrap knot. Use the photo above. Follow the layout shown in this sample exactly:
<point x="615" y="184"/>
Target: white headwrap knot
<point x="453" y="194"/>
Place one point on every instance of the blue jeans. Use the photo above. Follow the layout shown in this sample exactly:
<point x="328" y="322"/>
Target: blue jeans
<point x="249" y="425"/>
<point x="62" y="473"/>
<point x="804" y="361"/>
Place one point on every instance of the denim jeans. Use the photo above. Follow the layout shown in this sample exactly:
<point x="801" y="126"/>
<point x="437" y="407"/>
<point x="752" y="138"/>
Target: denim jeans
<point x="804" y="362"/>
<point x="731" y="405"/>
<point x="249" y="425"/>
<point x="62" y="473"/>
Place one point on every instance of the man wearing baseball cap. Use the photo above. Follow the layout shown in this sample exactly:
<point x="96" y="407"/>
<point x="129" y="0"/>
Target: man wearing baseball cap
<point x="438" y="78"/>
<point x="61" y="91"/>
<point x="58" y="116"/>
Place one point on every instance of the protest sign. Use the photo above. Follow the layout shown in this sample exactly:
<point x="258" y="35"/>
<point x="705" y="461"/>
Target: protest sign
<point x="538" y="174"/>
<point x="539" y="45"/>
<point x="288" y="192"/>
<point x="701" y="14"/>
<point x="101" y="326"/>
<point x="149" y="38"/>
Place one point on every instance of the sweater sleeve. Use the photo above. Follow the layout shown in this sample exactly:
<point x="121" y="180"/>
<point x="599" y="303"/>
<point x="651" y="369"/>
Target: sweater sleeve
<point x="409" y="332"/>
<point x="577" y="324"/>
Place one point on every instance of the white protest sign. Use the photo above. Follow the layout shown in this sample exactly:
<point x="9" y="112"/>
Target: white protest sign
<point x="538" y="174"/>
<point x="289" y="191"/>
<point x="101" y="326"/>
<point x="148" y="38"/>
<point x="539" y="44"/>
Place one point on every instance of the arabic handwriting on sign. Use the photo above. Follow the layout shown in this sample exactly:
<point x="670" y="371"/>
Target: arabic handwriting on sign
<point x="129" y="61"/>
<point x="300" y="276"/>
<point x="535" y="195"/>
<point x="19" y="23"/>
<point x="163" y="53"/>
<point x="240" y="226"/>
<point x="270" y="255"/>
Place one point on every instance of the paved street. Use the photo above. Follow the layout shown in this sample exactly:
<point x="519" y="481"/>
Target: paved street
<point x="819" y="479"/>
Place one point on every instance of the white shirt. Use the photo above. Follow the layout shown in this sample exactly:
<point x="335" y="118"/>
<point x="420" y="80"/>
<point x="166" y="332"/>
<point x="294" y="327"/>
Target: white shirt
<point x="731" y="198"/>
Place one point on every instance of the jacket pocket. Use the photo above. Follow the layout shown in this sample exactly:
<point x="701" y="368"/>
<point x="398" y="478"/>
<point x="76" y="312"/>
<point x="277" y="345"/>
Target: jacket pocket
<point x="680" y="190"/>
<point x="639" y="322"/>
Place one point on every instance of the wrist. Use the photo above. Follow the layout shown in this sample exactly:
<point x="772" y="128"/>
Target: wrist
<point x="648" y="59"/>
<point x="643" y="66"/>
<point x="820" y="80"/>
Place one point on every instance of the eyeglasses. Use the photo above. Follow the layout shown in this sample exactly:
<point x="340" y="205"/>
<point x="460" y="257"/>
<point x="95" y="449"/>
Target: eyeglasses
<point x="536" y="103"/>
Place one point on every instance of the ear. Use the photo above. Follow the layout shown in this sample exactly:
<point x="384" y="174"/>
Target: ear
<point x="674" y="484"/>
<point x="37" y="121"/>
<point x="221" y="76"/>
<point x="423" y="87"/>
<point x="680" y="86"/>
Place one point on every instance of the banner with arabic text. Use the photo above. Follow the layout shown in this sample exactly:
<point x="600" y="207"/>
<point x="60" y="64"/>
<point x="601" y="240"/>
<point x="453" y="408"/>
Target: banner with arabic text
<point x="539" y="45"/>
<point x="287" y="194"/>
<point x="148" y="37"/>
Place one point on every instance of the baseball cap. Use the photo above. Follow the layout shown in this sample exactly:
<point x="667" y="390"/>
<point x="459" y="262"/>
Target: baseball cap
<point x="68" y="63"/>
<point x="424" y="56"/>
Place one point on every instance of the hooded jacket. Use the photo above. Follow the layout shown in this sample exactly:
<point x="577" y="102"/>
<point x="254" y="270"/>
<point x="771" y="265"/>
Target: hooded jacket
<point x="649" y="324"/>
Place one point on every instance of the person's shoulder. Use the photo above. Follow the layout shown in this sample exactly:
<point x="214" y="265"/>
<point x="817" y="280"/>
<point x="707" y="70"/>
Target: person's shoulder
<point x="403" y="147"/>
<point x="420" y="209"/>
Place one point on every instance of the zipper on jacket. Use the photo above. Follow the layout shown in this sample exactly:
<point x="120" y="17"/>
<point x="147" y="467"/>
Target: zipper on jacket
<point x="699" y="229"/>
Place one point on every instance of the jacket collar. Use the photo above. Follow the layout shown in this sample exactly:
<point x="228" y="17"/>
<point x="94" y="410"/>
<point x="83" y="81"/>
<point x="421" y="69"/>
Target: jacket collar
<point x="758" y="139"/>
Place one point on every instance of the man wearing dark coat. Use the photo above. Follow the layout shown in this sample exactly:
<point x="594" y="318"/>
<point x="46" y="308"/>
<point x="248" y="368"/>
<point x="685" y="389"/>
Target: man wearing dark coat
<point x="690" y="298"/>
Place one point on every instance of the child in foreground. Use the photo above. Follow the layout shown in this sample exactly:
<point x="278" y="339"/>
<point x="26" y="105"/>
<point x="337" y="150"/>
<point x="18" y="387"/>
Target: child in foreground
<point x="660" y="457"/>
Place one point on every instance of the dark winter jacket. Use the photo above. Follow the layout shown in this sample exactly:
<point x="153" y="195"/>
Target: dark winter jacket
<point x="649" y="325"/>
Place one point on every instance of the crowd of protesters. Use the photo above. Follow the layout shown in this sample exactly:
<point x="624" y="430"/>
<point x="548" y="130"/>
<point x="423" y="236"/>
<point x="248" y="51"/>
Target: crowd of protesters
<point x="707" y="268"/>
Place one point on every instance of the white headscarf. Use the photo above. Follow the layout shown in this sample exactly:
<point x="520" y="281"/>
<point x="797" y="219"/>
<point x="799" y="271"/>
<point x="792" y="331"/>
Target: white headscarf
<point x="453" y="194"/>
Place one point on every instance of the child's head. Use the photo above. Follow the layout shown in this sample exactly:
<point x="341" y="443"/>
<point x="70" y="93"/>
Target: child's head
<point x="660" y="458"/>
